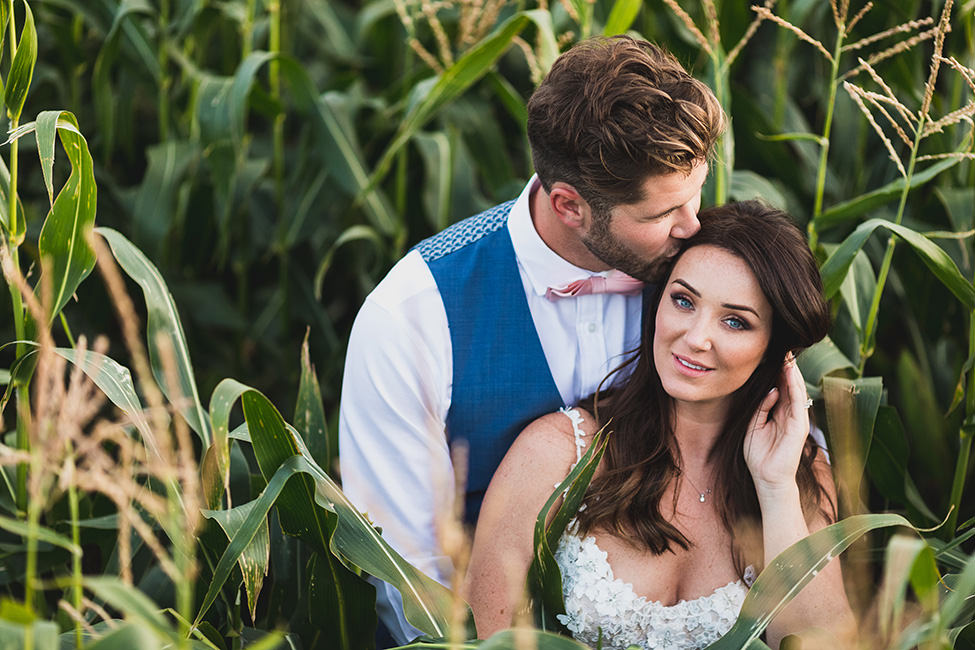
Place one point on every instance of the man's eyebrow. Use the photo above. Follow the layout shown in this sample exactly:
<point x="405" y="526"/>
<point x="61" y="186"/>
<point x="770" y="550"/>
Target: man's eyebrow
<point x="726" y="305"/>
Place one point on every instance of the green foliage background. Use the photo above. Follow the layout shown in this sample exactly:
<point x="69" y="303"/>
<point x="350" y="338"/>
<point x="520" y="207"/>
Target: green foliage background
<point x="272" y="159"/>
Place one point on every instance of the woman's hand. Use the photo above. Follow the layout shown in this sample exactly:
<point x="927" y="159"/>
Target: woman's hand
<point x="773" y="445"/>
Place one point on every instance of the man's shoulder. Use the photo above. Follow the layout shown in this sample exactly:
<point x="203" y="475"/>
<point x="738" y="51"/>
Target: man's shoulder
<point x="464" y="233"/>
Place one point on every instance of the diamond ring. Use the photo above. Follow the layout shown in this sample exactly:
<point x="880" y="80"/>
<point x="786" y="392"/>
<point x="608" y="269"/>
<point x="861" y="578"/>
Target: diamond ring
<point x="809" y="402"/>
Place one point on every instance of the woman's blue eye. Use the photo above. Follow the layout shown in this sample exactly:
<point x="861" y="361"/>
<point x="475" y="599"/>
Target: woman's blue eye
<point x="681" y="301"/>
<point x="736" y="323"/>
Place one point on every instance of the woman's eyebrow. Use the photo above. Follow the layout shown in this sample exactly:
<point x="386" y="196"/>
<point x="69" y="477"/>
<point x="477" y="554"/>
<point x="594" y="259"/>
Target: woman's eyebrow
<point x="727" y="305"/>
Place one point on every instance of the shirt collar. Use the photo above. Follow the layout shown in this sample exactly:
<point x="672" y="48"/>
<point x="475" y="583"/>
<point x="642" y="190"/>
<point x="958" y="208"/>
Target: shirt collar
<point x="544" y="267"/>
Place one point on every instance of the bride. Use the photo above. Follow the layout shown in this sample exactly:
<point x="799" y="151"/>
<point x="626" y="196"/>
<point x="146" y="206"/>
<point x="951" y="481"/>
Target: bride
<point x="709" y="471"/>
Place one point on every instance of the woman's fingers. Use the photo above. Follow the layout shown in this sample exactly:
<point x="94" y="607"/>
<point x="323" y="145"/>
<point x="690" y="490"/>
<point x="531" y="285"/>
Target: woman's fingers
<point x="761" y="415"/>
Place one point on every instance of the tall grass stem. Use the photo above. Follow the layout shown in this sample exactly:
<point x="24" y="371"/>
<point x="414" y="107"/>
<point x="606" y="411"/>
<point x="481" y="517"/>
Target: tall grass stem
<point x="77" y="592"/>
<point x="870" y="328"/>
<point x="824" y="142"/>
<point x="274" y="74"/>
<point x="162" y="103"/>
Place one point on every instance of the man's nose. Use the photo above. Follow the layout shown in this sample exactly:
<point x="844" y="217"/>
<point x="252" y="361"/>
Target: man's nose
<point x="685" y="223"/>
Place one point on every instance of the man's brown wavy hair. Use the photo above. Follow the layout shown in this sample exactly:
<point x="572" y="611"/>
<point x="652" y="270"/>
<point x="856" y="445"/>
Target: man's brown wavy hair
<point x="642" y="457"/>
<point x="613" y="112"/>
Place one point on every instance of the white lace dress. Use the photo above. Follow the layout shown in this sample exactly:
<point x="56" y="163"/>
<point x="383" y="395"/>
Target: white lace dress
<point x="599" y="605"/>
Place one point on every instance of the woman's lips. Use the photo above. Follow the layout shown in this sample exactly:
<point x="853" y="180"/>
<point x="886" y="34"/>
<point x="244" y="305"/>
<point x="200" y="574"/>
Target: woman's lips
<point x="689" y="367"/>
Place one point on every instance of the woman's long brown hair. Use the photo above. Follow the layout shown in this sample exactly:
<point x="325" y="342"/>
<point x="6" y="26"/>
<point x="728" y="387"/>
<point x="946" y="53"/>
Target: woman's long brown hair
<point x="642" y="457"/>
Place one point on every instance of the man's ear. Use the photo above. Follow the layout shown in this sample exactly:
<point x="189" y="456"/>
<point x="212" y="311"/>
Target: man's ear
<point x="567" y="204"/>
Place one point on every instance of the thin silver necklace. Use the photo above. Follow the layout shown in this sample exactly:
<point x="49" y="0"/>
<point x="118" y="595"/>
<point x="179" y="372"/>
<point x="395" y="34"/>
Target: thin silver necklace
<point x="701" y="496"/>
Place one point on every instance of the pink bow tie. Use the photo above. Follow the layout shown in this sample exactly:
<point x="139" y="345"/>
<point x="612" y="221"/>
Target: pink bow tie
<point x="615" y="282"/>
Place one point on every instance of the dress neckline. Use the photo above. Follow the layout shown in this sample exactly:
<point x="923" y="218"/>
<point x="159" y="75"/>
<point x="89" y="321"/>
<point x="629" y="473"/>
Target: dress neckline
<point x="643" y="601"/>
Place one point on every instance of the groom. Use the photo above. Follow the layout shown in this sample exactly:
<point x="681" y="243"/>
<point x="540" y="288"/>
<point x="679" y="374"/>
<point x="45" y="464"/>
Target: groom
<point x="523" y="308"/>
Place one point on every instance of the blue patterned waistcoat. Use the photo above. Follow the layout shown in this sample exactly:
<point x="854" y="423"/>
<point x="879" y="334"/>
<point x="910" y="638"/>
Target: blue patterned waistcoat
<point x="501" y="380"/>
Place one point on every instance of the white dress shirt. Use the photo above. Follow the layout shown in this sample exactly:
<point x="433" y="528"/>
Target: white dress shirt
<point x="396" y="390"/>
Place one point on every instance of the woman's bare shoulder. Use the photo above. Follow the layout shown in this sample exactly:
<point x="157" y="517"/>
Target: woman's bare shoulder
<point x="557" y="431"/>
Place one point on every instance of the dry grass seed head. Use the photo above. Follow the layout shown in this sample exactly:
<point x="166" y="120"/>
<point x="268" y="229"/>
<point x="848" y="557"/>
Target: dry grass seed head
<point x="486" y="18"/>
<point x="768" y="15"/>
<point x="570" y="9"/>
<point x="430" y="10"/>
<point x="905" y="113"/>
<point x="963" y="114"/>
<point x="893" y="50"/>
<point x="839" y="12"/>
<point x="909" y="26"/>
<point x="856" y="19"/>
<point x="944" y="26"/>
<point x="456" y="544"/>
<point x="711" y="16"/>
<point x="747" y="36"/>
<point x="689" y="23"/>
<point x="76" y="616"/>
<point x="531" y="59"/>
<point x="877" y="101"/>
<point x="942" y="156"/>
<point x="856" y="94"/>
<point x="967" y="73"/>
<point x="183" y="457"/>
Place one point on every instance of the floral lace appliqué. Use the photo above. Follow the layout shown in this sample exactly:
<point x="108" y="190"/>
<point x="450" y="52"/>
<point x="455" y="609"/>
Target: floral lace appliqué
<point x="595" y="599"/>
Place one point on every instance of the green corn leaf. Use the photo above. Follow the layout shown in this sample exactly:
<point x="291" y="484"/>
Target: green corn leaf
<point x="427" y="604"/>
<point x="253" y="560"/>
<point x="746" y="184"/>
<point x="471" y="67"/>
<point x="353" y="621"/>
<point x="43" y="634"/>
<point x="621" y="16"/>
<point x="6" y="9"/>
<point x="798" y="136"/>
<point x="301" y="512"/>
<point x="22" y="68"/>
<point x="341" y="153"/>
<point x="835" y="268"/>
<point x="858" y="288"/>
<point x="155" y="203"/>
<point x="301" y="515"/>
<point x="887" y="460"/>
<point x="793" y="569"/>
<point x="509" y="97"/>
<point x="851" y="411"/>
<point x="163" y="324"/>
<point x="960" y="597"/>
<point x="544" y="581"/>
<point x="126" y="637"/>
<point x="436" y="152"/>
<point x="4" y="193"/>
<point x="357" y="232"/>
<point x="310" y="411"/>
<point x="901" y="554"/>
<point x="865" y="203"/>
<point x="819" y="360"/>
<point x="115" y="381"/>
<point x="63" y="241"/>
<point x="526" y="638"/>
<point x="134" y="604"/>
<point x="19" y="527"/>
<point x="104" y="96"/>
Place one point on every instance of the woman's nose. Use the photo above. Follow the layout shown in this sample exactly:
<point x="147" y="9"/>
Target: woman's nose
<point x="698" y="335"/>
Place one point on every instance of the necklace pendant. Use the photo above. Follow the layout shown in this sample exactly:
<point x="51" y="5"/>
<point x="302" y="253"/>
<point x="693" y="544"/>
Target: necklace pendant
<point x="701" y="497"/>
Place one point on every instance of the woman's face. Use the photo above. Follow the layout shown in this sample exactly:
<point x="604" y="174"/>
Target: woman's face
<point x="712" y="326"/>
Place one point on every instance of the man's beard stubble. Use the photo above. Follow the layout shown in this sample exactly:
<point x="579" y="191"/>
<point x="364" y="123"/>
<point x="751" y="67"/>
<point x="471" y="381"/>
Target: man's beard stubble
<point x="611" y="251"/>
